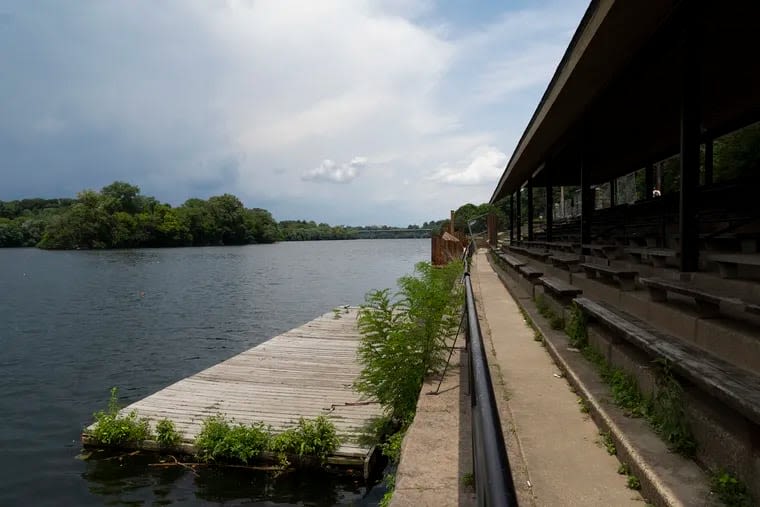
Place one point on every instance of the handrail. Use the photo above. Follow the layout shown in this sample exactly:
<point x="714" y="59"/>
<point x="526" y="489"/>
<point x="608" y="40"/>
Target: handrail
<point x="493" y="476"/>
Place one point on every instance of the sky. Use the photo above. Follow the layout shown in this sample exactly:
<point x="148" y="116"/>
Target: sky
<point x="348" y="112"/>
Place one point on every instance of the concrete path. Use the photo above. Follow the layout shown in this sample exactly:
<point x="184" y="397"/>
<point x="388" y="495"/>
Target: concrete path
<point x="555" y="450"/>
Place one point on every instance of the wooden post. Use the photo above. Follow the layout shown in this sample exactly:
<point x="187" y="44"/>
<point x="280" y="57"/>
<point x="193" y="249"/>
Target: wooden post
<point x="530" y="208"/>
<point x="690" y="133"/>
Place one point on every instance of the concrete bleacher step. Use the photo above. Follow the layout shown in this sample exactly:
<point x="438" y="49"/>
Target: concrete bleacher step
<point x="738" y="388"/>
<point x="721" y="400"/>
<point x="560" y="290"/>
<point x="624" y="277"/>
<point x="708" y="303"/>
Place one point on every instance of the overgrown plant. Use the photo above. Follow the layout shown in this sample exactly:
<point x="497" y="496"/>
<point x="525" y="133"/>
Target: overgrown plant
<point x="112" y="429"/>
<point x="167" y="435"/>
<point x="403" y="337"/>
<point x="667" y="411"/>
<point x="576" y="327"/>
<point x="310" y="437"/>
<point x="219" y="440"/>
<point x="730" y="490"/>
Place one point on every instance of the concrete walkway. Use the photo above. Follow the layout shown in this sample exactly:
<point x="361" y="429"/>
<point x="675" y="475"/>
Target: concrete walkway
<point x="555" y="450"/>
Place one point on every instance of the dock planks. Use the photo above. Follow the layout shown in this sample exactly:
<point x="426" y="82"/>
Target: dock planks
<point x="305" y="372"/>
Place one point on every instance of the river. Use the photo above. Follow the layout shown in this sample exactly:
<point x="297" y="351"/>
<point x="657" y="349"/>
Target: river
<point x="74" y="324"/>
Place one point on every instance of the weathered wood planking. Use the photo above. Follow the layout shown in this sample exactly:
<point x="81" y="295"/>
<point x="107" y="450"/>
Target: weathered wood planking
<point x="306" y="372"/>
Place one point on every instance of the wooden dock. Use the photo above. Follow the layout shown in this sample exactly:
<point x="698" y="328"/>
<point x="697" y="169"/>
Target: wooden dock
<point x="305" y="372"/>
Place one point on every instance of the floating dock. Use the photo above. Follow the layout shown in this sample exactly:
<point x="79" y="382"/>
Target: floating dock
<point x="305" y="372"/>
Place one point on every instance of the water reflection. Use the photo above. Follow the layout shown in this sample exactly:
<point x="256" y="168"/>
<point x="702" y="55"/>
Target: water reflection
<point x="123" y="479"/>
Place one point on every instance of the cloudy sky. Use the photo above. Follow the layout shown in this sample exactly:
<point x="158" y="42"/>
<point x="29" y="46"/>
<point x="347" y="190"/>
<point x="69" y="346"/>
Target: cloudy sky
<point x="350" y="112"/>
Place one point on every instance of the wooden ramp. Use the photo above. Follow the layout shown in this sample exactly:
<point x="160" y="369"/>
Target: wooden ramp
<point x="306" y="372"/>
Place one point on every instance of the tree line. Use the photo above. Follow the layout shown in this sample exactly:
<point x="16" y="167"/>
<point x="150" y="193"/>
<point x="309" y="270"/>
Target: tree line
<point x="119" y="216"/>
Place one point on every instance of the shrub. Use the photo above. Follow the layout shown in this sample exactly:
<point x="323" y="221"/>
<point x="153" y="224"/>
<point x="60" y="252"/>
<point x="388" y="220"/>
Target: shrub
<point x="166" y="434"/>
<point x="311" y="437"/>
<point x="403" y="339"/>
<point x="730" y="490"/>
<point x="576" y="327"/>
<point x="113" y="429"/>
<point x="221" y="441"/>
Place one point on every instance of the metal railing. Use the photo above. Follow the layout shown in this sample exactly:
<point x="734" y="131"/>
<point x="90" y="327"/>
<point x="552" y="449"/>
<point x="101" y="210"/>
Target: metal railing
<point x="493" y="476"/>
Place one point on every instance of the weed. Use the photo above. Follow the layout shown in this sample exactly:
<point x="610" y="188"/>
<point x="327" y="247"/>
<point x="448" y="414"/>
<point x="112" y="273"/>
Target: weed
<point x="633" y="482"/>
<point x="336" y="313"/>
<point x="667" y="412"/>
<point x="537" y="336"/>
<point x="392" y="448"/>
<point x="608" y="443"/>
<point x="167" y="435"/>
<point x="556" y="322"/>
<point x="624" y="469"/>
<point x="542" y="306"/>
<point x="576" y="327"/>
<point x="113" y="429"/>
<point x="403" y="337"/>
<point x="730" y="490"/>
<point x="219" y="440"/>
<point x="468" y="480"/>
<point x="584" y="406"/>
<point x="310" y="437"/>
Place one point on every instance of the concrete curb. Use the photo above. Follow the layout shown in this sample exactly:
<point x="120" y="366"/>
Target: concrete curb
<point x="658" y="484"/>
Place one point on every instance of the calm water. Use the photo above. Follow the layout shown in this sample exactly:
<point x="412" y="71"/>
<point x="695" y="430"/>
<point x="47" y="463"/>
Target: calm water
<point x="73" y="324"/>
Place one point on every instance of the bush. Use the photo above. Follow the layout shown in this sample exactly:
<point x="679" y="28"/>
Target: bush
<point x="167" y="435"/>
<point x="316" y="437"/>
<point x="112" y="429"/>
<point x="576" y="327"/>
<point x="403" y="339"/>
<point x="221" y="441"/>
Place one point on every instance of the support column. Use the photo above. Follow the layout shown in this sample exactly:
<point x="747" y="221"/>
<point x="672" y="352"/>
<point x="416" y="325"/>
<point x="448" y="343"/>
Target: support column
<point x="511" y="219"/>
<point x="530" y="208"/>
<point x="549" y="213"/>
<point x="587" y="207"/>
<point x="690" y="132"/>
<point x="518" y="209"/>
<point x="648" y="181"/>
<point x="709" y="162"/>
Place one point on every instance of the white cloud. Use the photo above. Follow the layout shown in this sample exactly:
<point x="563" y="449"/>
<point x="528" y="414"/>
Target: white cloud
<point x="484" y="167"/>
<point x="330" y="172"/>
<point x="190" y="97"/>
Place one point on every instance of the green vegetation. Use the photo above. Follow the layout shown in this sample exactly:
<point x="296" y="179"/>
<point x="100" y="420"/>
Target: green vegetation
<point x="468" y="480"/>
<point x="403" y="340"/>
<point x="167" y="435"/>
<point x="664" y="409"/>
<point x="119" y="216"/>
<point x="633" y="482"/>
<point x="730" y="490"/>
<point x="576" y="327"/>
<point x="219" y="440"/>
<point x="583" y="405"/>
<point x="608" y="443"/>
<point x="222" y="441"/>
<point x="314" y="438"/>
<point x="114" y="430"/>
<point x="555" y="321"/>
